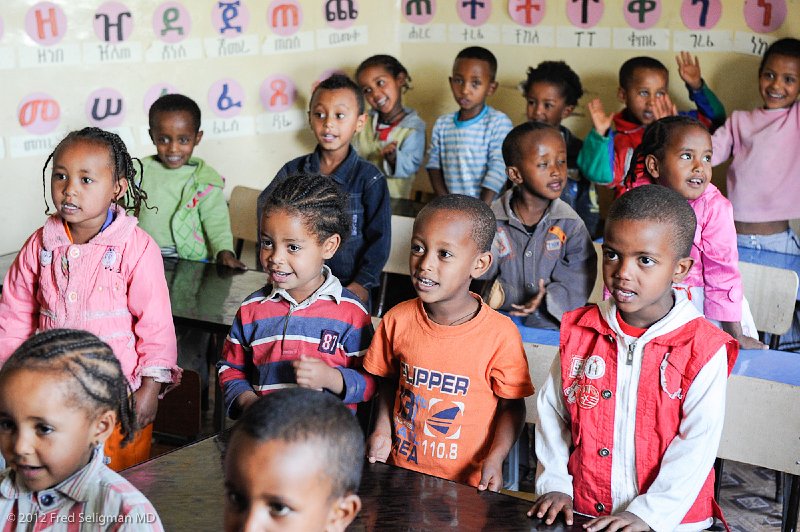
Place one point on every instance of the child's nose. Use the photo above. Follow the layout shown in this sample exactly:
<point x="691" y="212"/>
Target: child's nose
<point x="22" y="444"/>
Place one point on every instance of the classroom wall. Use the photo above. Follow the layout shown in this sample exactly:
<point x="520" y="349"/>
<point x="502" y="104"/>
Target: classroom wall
<point x="61" y="59"/>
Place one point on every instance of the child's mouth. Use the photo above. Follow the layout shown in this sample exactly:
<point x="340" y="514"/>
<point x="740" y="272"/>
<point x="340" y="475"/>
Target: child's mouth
<point x="622" y="296"/>
<point x="697" y="181"/>
<point x="279" y="277"/>
<point x="68" y="208"/>
<point x="425" y="283"/>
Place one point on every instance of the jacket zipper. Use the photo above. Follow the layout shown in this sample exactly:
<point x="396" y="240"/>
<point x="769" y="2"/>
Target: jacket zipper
<point x="629" y="360"/>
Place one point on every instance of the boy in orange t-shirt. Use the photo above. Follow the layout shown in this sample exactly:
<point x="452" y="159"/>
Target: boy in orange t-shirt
<point x="454" y="371"/>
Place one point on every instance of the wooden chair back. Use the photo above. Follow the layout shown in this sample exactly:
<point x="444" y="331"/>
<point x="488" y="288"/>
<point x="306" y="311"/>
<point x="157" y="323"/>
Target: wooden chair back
<point x="244" y="218"/>
<point x="772" y="294"/>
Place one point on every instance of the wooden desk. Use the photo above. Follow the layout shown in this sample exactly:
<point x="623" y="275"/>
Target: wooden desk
<point x="771" y="258"/>
<point x="186" y="488"/>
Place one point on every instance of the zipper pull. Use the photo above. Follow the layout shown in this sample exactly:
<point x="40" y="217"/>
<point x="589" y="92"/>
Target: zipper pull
<point x="629" y="360"/>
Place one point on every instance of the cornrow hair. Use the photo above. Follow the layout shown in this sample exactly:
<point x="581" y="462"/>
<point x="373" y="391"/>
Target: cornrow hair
<point x="389" y="63"/>
<point x="121" y="165"/>
<point x="317" y="199"/>
<point x="654" y="141"/>
<point x="97" y="378"/>
<point x="556" y="73"/>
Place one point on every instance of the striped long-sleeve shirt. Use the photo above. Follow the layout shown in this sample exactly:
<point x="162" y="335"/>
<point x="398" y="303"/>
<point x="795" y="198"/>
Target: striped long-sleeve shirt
<point x="271" y="330"/>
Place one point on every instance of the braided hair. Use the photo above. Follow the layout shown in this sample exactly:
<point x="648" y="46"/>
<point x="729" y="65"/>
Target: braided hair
<point x="317" y="199"/>
<point x="390" y="64"/>
<point x="121" y="164"/>
<point x="96" y="379"/>
<point x="654" y="141"/>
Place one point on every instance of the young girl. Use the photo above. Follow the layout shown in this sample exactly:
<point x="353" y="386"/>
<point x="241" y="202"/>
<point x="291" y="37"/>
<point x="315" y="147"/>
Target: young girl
<point x="303" y="328"/>
<point x="91" y="268"/>
<point x="61" y="395"/>
<point x="676" y="153"/>
<point x="393" y="139"/>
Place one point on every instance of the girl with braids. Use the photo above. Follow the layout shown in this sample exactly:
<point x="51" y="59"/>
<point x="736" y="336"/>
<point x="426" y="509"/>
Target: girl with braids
<point x="62" y="393"/>
<point x="393" y="138"/>
<point x="676" y="152"/>
<point x="90" y="267"/>
<point x="303" y="328"/>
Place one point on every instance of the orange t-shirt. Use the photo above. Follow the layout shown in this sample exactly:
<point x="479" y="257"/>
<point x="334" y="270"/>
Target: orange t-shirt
<point x="449" y="382"/>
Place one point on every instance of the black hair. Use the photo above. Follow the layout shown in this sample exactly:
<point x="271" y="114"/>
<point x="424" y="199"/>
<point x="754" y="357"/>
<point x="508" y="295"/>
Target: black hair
<point x="629" y="68"/>
<point x="96" y="375"/>
<point x="304" y="415"/>
<point x="661" y="205"/>
<point x="317" y="199"/>
<point x="340" y="81"/>
<point x="174" y="103"/>
<point x="387" y="62"/>
<point x="655" y="139"/>
<point x="787" y="46"/>
<point x="481" y="54"/>
<point x="513" y="149"/>
<point x="484" y="224"/>
<point x="556" y="73"/>
<point x="121" y="164"/>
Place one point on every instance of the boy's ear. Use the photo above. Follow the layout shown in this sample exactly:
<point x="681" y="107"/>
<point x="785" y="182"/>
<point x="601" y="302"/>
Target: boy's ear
<point x="330" y="245"/>
<point x="103" y="426"/>
<point x="492" y="87"/>
<point x="342" y="513"/>
<point x="120" y="188"/>
<point x="482" y="263"/>
<point x="362" y="119"/>
<point x="567" y="111"/>
<point x="514" y="175"/>
<point x="621" y="94"/>
<point x="150" y="134"/>
<point x="402" y="81"/>
<point x="682" y="268"/>
<point x="651" y="165"/>
<point x="198" y="137"/>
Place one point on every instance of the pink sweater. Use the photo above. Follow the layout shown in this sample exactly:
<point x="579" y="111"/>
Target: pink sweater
<point x="716" y="257"/>
<point x="764" y="177"/>
<point x="113" y="286"/>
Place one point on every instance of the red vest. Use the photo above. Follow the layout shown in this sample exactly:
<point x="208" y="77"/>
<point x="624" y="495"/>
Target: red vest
<point x="670" y="364"/>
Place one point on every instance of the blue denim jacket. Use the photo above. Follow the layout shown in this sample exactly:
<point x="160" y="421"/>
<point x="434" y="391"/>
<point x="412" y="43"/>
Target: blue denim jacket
<point x="365" y="250"/>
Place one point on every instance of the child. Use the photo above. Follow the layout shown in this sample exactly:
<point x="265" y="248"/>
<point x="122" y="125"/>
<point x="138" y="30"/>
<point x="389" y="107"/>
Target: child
<point x="606" y="154"/>
<point x="552" y="91"/>
<point x="188" y="216"/>
<point x="764" y="176"/>
<point x="543" y="258"/>
<point x="302" y="328"/>
<point x="393" y="138"/>
<point x="465" y="155"/>
<point x="336" y="113"/>
<point x="676" y="153"/>
<point x="631" y="414"/>
<point x="61" y="395"/>
<point x="91" y="268"/>
<point x="294" y="462"/>
<point x="455" y="374"/>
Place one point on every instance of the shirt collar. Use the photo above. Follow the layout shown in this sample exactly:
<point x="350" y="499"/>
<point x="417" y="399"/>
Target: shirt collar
<point x="331" y="288"/>
<point x="467" y="123"/>
<point x="342" y="172"/>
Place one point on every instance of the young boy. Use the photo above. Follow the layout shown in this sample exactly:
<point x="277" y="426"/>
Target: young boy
<point x="544" y="262"/>
<point x="335" y="114"/>
<point x="465" y="153"/>
<point x="190" y="219"/>
<point x="606" y="154"/>
<point x="293" y="462"/>
<point x="455" y="373"/>
<point x="631" y="414"/>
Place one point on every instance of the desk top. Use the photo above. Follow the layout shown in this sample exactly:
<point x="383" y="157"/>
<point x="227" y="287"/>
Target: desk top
<point x="186" y="488"/>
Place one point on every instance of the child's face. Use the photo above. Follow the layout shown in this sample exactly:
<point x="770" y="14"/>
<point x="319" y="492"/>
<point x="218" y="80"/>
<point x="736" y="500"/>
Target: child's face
<point x="547" y="104"/>
<point x="291" y="255"/>
<point x="543" y="170"/>
<point x="639" y="267"/>
<point x="382" y="90"/>
<point x="444" y="257"/>
<point x="471" y="84"/>
<point x="334" y="119"/>
<point x="174" y="136"/>
<point x="779" y="81"/>
<point x="43" y="436"/>
<point x="646" y="86"/>
<point x="82" y="187"/>
<point x="280" y="485"/>
<point x="686" y="164"/>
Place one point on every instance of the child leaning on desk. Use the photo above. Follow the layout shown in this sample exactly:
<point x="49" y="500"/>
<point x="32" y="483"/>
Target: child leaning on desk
<point x="631" y="414"/>
<point x="303" y="328"/>
<point x="543" y="260"/>
<point x="91" y="268"/>
<point x="453" y="371"/>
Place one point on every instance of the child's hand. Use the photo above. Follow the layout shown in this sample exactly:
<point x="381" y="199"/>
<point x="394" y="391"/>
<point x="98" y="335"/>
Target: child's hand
<point x="146" y="398"/>
<point x="360" y="292"/>
<point x="316" y="374"/>
<point x="745" y="342"/>
<point x="491" y="476"/>
<point x="664" y="107"/>
<point x="623" y="521"/>
<point x="600" y="120"/>
<point x="245" y="399"/>
<point x="689" y="70"/>
<point x="227" y="258"/>
<point x="531" y="306"/>
<point x="549" y="505"/>
<point x="379" y="444"/>
<point x="389" y="152"/>
<point x="734" y="328"/>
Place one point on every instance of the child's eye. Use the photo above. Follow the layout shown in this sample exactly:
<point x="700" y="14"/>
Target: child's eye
<point x="366" y="90"/>
<point x="562" y="162"/>
<point x="87" y="180"/>
<point x="790" y="80"/>
<point x="456" y="81"/>
<point x="58" y="176"/>
<point x="416" y="249"/>
<point x="646" y="261"/>
<point x="43" y="429"/>
<point x="6" y="425"/>
<point x="609" y="255"/>
<point x="660" y="94"/>
<point x="476" y="84"/>
<point x="236" y="500"/>
<point x="381" y="83"/>
<point x="685" y="156"/>
<point x="184" y="140"/>
<point x="340" y="116"/>
<point x="548" y="106"/>
<point x="319" y="116"/>
<point x="644" y="94"/>
<point x="541" y="165"/>
<point x="706" y="158"/>
<point x="293" y="248"/>
<point x="266" y="243"/>
<point x="445" y="254"/>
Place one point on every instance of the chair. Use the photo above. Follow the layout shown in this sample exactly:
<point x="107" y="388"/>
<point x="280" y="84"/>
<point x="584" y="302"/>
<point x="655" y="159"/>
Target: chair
<point x="402" y="227"/>
<point x="772" y="294"/>
<point x="244" y="217"/>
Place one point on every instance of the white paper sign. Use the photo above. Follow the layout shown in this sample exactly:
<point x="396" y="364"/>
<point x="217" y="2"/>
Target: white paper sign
<point x="651" y="39"/>
<point x="43" y="56"/>
<point x="474" y="35"/>
<point x="424" y="34"/>
<point x="572" y="37"/>
<point x="239" y="126"/>
<point x="231" y="47"/>
<point x="702" y="41"/>
<point x="291" y="120"/>
<point x="30" y="145"/>
<point x="188" y="50"/>
<point x="106" y="52"/>
<point x="333" y="38"/>
<point x="302" y="41"/>
<point x="517" y="35"/>
<point x="748" y="43"/>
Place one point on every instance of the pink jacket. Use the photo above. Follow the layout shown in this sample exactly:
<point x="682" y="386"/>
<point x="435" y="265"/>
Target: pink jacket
<point x="716" y="257"/>
<point x="113" y="286"/>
